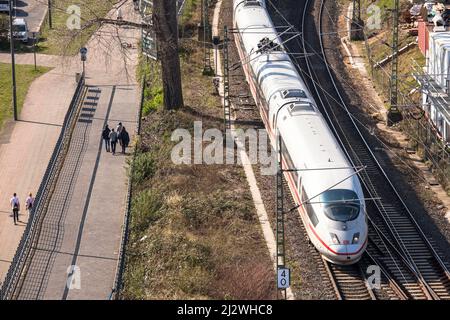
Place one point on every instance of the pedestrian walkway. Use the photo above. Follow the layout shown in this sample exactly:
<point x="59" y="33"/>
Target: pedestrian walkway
<point x="44" y="60"/>
<point x="83" y="226"/>
<point x="26" y="147"/>
<point x="33" y="11"/>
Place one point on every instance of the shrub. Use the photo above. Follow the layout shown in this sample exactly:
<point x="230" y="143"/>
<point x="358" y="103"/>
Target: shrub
<point x="154" y="99"/>
<point x="144" y="167"/>
<point x="146" y="209"/>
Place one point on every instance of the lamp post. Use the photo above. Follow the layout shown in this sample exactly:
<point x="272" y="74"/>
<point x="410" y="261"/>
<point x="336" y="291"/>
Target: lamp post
<point x="13" y="62"/>
<point x="83" y="54"/>
<point x="34" y="49"/>
<point x="50" y="20"/>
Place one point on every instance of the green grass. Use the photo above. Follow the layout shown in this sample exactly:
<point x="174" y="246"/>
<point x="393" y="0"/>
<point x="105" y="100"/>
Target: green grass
<point x="193" y="232"/>
<point x="189" y="8"/>
<point x="193" y="229"/>
<point x="59" y="39"/>
<point x="25" y="75"/>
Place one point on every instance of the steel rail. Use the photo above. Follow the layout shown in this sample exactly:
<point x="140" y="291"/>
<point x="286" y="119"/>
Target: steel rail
<point x="421" y="233"/>
<point x="332" y="276"/>
<point x="426" y="286"/>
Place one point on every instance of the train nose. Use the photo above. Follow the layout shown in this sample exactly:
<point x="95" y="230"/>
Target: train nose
<point x="344" y="253"/>
<point x="340" y="249"/>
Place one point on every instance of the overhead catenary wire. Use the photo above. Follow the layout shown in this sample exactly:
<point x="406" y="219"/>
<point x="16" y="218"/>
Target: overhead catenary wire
<point x="369" y="129"/>
<point x="339" y="103"/>
<point x="418" y="273"/>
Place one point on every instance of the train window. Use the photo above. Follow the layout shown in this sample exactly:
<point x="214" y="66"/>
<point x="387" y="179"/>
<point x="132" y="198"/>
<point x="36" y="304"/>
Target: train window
<point x="252" y="3"/>
<point x="297" y="93"/>
<point x="312" y="215"/>
<point x="299" y="107"/>
<point x="309" y="209"/>
<point x="341" y="204"/>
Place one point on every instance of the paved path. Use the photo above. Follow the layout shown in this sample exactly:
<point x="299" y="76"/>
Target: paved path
<point x="26" y="147"/>
<point x="83" y="225"/>
<point x="33" y="11"/>
<point x="41" y="59"/>
<point x="92" y="216"/>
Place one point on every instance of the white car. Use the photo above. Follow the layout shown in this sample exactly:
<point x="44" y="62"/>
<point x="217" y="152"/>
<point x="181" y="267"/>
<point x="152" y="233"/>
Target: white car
<point x="20" y="30"/>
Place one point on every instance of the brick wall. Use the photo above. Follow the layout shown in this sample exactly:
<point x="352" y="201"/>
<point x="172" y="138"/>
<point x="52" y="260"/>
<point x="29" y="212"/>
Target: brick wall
<point x="423" y="36"/>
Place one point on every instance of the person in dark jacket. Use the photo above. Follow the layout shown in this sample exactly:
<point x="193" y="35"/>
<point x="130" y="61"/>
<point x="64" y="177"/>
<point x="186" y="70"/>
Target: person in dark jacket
<point x="119" y="130"/>
<point x="105" y="136"/>
<point x="125" y="137"/>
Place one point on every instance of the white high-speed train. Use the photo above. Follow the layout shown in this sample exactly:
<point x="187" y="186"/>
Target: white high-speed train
<point x="334" y="212"/>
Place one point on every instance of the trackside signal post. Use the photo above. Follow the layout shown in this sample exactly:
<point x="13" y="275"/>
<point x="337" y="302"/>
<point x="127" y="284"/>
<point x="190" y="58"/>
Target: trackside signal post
<point x="226" y="83"/>
<point x="394" y="114"/>
<point x="207" y="68"/>
<point x="282" y="271"/>
<point x="357" y="24"/>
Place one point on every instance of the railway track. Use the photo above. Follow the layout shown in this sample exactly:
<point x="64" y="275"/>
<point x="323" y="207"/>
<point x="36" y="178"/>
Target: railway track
<point x="409" y="264"/>
<point x="349" y="282"/>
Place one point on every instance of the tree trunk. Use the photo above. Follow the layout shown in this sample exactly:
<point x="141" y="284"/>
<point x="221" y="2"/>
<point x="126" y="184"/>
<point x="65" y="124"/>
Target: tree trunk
<point x="166" y="28"/>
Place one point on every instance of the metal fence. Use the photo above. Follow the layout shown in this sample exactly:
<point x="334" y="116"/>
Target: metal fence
<point x="116" y="291"/>
<point x="43" y="195"/>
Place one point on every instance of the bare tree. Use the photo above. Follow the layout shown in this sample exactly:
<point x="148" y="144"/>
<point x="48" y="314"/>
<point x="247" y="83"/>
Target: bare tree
<point x="166" y="29"/>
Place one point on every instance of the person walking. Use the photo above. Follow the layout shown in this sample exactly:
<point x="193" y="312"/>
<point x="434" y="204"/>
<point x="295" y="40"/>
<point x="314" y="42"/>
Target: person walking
<point x="29" y="203"/>
<point x="119" y="130"/>
<point x="15" y="206"/>
<point x="105" y="135"/>
<point x="125" y="138"/>
<point x="113" y="138"/>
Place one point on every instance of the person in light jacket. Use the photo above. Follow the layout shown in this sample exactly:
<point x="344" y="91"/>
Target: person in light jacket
<point x="15" y="207"/>
<point x="113" y="140"/>
<point x="29" y="203"/>
<point x="125" y="137"/>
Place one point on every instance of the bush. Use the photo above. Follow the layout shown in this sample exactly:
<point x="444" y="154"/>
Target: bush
<point x="153" y="99"/>
<point x="143" y="168"/>
<point x="146" y="209"/>
<point x="4" y="23"/>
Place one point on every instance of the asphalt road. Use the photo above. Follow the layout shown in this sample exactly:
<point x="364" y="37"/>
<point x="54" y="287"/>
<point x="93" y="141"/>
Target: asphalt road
<point x="33" y="11"/>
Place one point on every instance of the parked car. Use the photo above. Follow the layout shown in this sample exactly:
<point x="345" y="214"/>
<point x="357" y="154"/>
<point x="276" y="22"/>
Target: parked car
<point x="20" y="30"/>
<point x="4" y="6"/>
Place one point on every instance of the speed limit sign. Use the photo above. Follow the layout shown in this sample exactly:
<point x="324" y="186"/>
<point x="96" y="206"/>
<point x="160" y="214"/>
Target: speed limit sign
<point x="283" y="278"/>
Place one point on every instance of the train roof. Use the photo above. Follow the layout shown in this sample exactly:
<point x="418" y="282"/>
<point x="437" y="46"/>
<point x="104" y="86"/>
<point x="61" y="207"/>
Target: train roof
<point x="308" y="137"/>
<point x="275" y="76"/>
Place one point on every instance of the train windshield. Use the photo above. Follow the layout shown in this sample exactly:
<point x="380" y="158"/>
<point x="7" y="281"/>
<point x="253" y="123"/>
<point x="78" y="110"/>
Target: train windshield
<point x="340" y="204"/>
